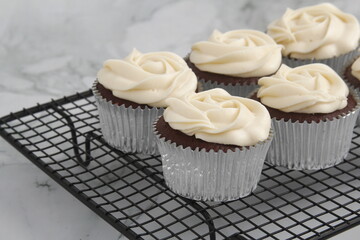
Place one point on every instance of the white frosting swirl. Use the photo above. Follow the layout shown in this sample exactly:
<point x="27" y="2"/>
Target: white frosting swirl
<point x="148" y="78"/>
<point x="321" y="31"/>
<point x="312" y="88"/>
<point x="240" y="53"/>
<point x="216" y="116"/>
<point x="355" y="68"/>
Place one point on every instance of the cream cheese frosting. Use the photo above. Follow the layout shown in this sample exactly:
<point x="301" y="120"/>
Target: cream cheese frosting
<point x="355" y="68"/>
<point x="239" y="53"/>
<point x="216" y="116"/>
<point x="312" y="88"/>
<point x="148" y="78"/>
<point x="320" y="31"/>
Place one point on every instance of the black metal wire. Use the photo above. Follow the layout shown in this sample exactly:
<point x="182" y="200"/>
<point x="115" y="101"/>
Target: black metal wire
<point x="74" y="140"/>
<point x="63" y="139"/>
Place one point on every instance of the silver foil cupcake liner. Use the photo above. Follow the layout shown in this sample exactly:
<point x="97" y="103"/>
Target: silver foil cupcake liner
<point x="312" y="146"/>
<point x="235" y="90"/>
<point x="212" y="176"/>
<point x="125" y="128"/>
<point x="336" y="63"/>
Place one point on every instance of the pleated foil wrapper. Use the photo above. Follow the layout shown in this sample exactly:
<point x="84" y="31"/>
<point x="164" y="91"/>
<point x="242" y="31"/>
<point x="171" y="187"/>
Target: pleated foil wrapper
<point x="235" y="90"/>
<point x="311" y="146"/>
<point x="125" y="128"/>
<point x="212" y="176"/>
<point x="336" y="63"/>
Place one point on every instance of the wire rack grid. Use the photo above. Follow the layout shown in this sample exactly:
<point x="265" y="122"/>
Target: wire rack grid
<point x="63" y="139"/>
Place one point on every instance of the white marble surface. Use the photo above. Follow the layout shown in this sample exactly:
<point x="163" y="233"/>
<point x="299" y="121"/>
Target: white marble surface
<point x="53" y="48"/>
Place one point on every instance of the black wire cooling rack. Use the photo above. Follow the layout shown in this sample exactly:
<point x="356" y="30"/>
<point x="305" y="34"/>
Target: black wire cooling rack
<point x="63" y="139"/>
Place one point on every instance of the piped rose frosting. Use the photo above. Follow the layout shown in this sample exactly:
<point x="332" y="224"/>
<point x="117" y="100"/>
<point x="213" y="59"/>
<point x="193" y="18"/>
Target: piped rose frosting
<point x="240" y="53"/>
<point x="148" y="78"/>
<point x="312" y="88"/>
<point x="218" y="117"/>
<point x="355" y="68"/>
<point x="321" y="31"/>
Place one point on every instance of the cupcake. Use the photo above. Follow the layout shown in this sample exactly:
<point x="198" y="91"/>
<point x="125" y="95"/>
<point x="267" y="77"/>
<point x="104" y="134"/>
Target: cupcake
<point x="130" y="94"/>
<point x="213" y="145"/>
<point x="316" y="34"/>
<point x="234" y="60"/>
<point x="352" y="73"/>
<point x="313" y="115"/>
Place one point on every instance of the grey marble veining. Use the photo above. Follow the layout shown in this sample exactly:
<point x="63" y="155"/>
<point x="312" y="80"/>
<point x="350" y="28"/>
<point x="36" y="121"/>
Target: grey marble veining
<point x="49" y="49"/>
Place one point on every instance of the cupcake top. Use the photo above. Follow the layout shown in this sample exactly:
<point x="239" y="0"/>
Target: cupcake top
<point x="216" y="116"/>
<point x="355" y="68"/>
<point x="312" y="88"/>
<point x="239" y="53"/>
<point x="148" y="78"/>
<point x="321" y="31"/>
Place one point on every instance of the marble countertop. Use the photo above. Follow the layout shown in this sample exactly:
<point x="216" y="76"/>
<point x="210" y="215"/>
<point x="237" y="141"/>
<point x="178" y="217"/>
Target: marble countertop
<point x="49" y="49"/>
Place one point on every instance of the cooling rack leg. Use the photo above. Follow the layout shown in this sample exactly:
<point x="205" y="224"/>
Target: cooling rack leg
<point x="206" y="216"/>
<point x="74" y="139"/>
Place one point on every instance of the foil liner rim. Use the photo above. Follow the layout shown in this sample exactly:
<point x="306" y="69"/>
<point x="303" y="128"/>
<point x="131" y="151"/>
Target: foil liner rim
<point x="357" y="49"/>
<point x="352" y="91"/>
<point x="101" y="98"/>
<point x="236" y="84"/>
<point x="240" y="149"/>
<point x="226" y="83"/>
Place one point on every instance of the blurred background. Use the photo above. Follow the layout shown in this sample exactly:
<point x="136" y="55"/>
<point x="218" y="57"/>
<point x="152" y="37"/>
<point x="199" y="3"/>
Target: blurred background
<point x="49" y="49"/>
<point x="54" y="48"/>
